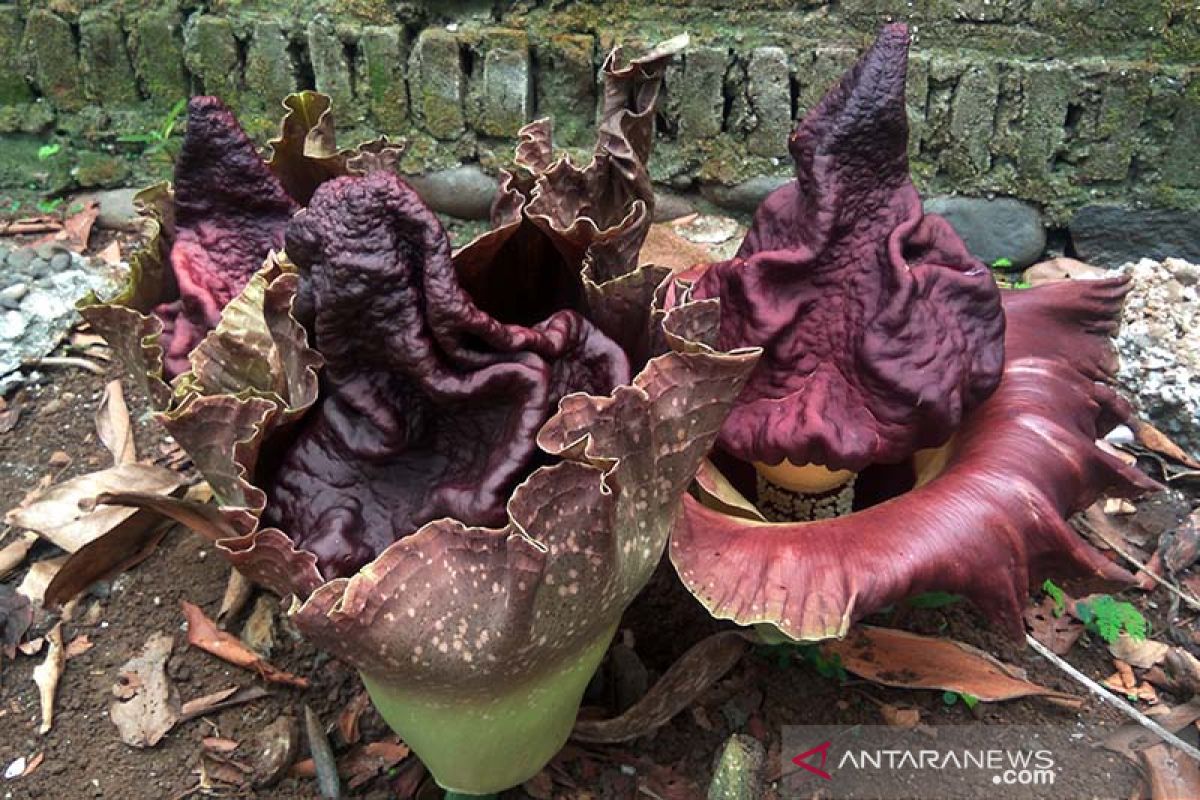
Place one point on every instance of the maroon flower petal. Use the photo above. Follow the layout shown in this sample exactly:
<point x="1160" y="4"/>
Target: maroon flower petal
<point x="430" y="407"/>
<point x="991" y="521"/>
<point x="879" y="329"/>
<point x="230" y="211"/>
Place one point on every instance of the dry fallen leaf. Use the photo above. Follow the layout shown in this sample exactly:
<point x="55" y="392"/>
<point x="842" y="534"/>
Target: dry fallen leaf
<point x="124" y="546"/>
<point x="145" y="703"/>
<point x="1158" y="442"/>
<point x="272" y="750"/>
<point x="78" y="646"/>
<point x="33" y="764"/>
<point x="1140" y="653"/>
<point x="347" y="721"/>
<point x="65" y="514"/>
<point x="259" y="631"/>
<point x="1132" y="737"/>
<point x="1057" y="632"/>
<point x="217" y="744"/>
<point x="111" y="254"/>
<point x="12" y="555"/>
<point x="204" y="634"/>
<point x="1171" y="774"/>
<point x="46" y="676"/>
<point x="60" y="459"/>
<point x="219" y="701"/>
<point x="237" y="594"/>
<point x="665" y="247"/>
<point x="113" y="426"/>
<point x="364" y="762"/>
<point x="39" y="577"/>
<point x="1124" y="682"/>
<point x="906" y="660"/>
<point x="900" y="717"/>
<point x="324" y="765"/>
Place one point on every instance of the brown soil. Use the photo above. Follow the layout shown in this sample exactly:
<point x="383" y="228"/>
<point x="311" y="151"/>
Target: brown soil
<point x="84" y="758"/>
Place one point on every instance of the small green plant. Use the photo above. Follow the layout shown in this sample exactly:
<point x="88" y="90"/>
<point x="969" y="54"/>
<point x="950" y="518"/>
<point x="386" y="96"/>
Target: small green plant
<point x="784" y="655"/>
<point x="14" y="206"/>
<point x="1002" y="263"/>
<point x="48" y="151"/>
<point x="1108" y="617"/>
<point x="969" y="700"/>
<point x="1002" y="266"/>
<point x="1057" y="594"/>
<point x="158" y="142"/>
<point x="48" y="205"/>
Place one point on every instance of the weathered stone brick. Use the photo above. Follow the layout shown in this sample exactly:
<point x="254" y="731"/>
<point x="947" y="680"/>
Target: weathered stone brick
<point x="382" y="68"/>
<point x="1046" y="91"/>
<point x="972" y="121"/>
<point x="769" y="93"/>
<point x="158" y="56"/>
<point x="13" y="86"/>
<point x="270" y="74"/>
<point x="1124" y="92"/>
<point x="436" y="83"/>
<point x="107" y="73"/>
<point x="51" y="48"/>
<point x="698" y="94"/>
<point x="501" y="91"/>
<point x="817" y="73"/>
<point x="211" y="53"/>
<point x="1181" y="166"/>
<point x="331" y="71"/>
<point x="916" y="94"/>
<point x="566" y="86"/>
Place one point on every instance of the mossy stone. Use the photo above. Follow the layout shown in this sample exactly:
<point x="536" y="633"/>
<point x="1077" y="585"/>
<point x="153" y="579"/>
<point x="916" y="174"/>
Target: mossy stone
<point x="108" y="74"/>
<point x="51" y="48"/>
<point x="100" y="170"/>
<point x="13" y="86"/>
<point x="158" y="56"/>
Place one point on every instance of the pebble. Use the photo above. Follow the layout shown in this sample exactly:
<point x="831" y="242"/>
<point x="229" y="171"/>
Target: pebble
<point x="10" y="296"/>
<point x="465" y="192"/>
<point x="60" y="261"/>
<point x="744" y="196"/>
<point x="19" y="259"/>
<point x="117" y="211"/>
<point x="1003" y="227"/>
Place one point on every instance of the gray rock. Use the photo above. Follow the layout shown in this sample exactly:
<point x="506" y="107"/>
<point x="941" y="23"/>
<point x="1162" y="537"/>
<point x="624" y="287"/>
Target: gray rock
<point x="4" y="251"/>
<point x="992" y="229"/>
<point x="1159" y="343"/>
<point x="48" y="249"/>
<point x="36" y="267"/>
<point x="46" y="312"/>
<point x="60" y="261"/>
<point x="744" y="196"/>
<point x="117" y="211"/>
<point x="669" y="206"/>
<point x="19" y="259"/>
<point x="465" y="192"/>
<point x="10" y="296"/>
<point x="1112" y="235"/>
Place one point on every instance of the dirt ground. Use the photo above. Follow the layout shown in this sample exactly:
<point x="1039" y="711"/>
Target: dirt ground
<point x="84" y="758"/>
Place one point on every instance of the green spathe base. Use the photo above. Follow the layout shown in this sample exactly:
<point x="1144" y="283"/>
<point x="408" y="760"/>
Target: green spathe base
<point x="478" y="747"/>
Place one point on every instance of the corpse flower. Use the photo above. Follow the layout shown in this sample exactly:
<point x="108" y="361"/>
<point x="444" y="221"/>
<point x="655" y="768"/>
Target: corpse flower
<point x="226" y="209"/>
<point x="964" y="419"/>
<point x="461" y="493"/>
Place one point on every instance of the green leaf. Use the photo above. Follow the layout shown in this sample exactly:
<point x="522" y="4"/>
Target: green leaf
<point x="1059" y="596"/>
<point x="970" y="699"/>
<point x="48" y="151"/>
<point x="934" y="600"/>
<point x="47" y="205"/>
<point x="168" y="127"/>
<point x="1108" y="616"/>
<point x="139" y="138"/>
<point x="949" y="698"/>
<point x="1002" y="263"/>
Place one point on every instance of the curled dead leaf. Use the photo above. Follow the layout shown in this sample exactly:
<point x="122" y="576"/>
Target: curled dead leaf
<point x="145" y="702"/>
<point x="237" y="594"/>
<point x="113" y="425"/>
<point x="12" y="555"/>
<point x="46" y="675"/>
<point x="909" y="661"/>
<point x="66" y="515"/>
<point x="204" y="634"/>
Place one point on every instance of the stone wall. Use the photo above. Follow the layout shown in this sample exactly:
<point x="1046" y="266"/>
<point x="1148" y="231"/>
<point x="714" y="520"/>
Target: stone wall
<point x="1061" y="103"/>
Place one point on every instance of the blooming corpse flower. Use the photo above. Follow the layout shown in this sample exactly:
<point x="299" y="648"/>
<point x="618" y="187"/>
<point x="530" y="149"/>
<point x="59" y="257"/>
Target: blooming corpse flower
<point x="948" y="428"/>
<point x="462" y="487"/>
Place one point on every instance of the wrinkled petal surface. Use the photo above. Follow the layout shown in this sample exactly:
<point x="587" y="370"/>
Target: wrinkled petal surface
<point x="431" y="406"/>
<point x="879" y="329"/>
<point x="230" y="211"/>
